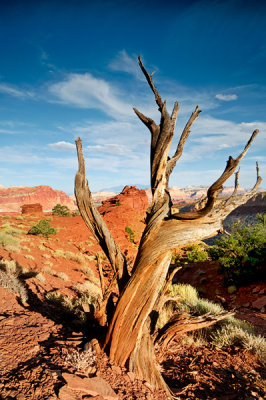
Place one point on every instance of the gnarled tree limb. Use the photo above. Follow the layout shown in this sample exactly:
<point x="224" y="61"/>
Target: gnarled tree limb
<point x="95" y="222"/>
<point x="181" y="324"/>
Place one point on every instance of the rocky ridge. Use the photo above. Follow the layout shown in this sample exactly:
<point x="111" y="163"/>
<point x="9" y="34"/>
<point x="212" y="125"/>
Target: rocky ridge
<point x="12" y="198"/>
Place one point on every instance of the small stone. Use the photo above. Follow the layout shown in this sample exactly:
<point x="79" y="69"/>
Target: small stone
<point x="93" y="386"/>
<point x="131" y="376"/>
<point x="256" y="289"/>
<point x="65" y="393"/>
<point x="116" y="369"/>
<point x="259" y="303"/>
<point x="246" y="305"/>
<point x="215" y="364"/>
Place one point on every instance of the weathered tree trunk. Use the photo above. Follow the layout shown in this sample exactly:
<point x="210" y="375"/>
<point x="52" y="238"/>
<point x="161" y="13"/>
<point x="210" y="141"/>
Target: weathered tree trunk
<point x="129" y="339"/>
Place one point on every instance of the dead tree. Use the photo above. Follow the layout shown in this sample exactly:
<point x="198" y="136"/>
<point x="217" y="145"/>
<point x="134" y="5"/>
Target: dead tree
<point x="130" y="337"/>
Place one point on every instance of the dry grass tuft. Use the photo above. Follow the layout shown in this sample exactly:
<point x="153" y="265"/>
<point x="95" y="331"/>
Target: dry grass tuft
<point x="84" y="361"/>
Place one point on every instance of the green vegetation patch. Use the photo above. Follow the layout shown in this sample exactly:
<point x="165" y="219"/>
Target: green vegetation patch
<point x="61" y="210"/>
<point x="43" y="228"/>
<point x="242" y="255"/>
<point x="131" y="234"/>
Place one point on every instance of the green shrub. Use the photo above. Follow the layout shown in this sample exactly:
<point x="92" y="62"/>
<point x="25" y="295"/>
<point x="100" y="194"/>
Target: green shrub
<point x="242" y="255"/>
<point x="118" y="203"/>
<point x="131" y="234"/>
<point x="196" y="253"/>
<point x="63" y="211"/>
<point x="42" y="228"/>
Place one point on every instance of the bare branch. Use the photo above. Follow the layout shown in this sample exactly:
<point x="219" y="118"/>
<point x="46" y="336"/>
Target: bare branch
<point x="151" y="125"/>
<point x="236" y="183"/>
<point x="151" y="84"/>
<point x="181" y="324"/>
<point x="172" y="162"/>
<point x="95" y="222"/>
<point x="217" y="186"/>
<point x="174" y="113"/>
<point x="259" y="178"/>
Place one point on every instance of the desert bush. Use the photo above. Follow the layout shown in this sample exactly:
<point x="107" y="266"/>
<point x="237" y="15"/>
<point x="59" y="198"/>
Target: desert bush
<point x="62" y="276"/>
<point x="9" y="278"/>
<point x="195" y="339"/>
<point x="242" y="255"/>
<point x="89" y="288"/>
<point x="69" y="255"/>
<point x="70" y="306"/>
<point x="227" y="332"/>
<point x="11" y="230"/>
<point x="232" y="335"/>
<point x="84" y="361"/>
<point x="29" y="257"/>
<point x="20" y="217"/>
<point x="63" y="211"/>
<point x="7" y="240"/>
<point x="43" y="228"/>
<point x="55" y="297"/>
<point x="131" y="233"/>
<point x="196" y="253"/>
<point x="87" y="271"/>
<point x="48" y="270"/>
<point x="39" y="276"/>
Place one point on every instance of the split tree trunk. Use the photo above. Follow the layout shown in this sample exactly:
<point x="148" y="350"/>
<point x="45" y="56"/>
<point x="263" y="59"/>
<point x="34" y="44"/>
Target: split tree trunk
<point x="129" y="338"/>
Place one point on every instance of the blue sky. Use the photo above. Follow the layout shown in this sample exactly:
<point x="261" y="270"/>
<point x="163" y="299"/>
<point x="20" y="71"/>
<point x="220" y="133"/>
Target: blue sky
<point x="69" y="68"/>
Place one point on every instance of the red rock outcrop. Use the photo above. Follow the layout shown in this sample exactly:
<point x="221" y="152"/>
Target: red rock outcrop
<point x="31" y="208"/>
<point x="126" y="210"/>
<point x="12" y="198"/>
<point x="129" y="198"/>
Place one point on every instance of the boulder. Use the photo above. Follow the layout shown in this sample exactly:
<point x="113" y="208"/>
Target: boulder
<point x="31" y="208"/>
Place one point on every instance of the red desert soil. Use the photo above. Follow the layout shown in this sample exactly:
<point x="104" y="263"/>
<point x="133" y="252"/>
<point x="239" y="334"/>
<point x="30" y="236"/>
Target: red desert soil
<point x="35" y="337"/>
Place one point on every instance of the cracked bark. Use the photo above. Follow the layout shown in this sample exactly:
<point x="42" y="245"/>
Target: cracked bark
<point x="129" y="339"/>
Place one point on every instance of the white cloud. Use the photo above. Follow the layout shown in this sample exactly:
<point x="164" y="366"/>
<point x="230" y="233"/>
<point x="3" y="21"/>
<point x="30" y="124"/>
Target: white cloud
<point x="15" y="92"/>
<point x="125" y="63"/>
<point x="86" y="91"/>
<point x="226" y="97"/>
<point x="109" y="148"/>
<point x="64" y="146"/>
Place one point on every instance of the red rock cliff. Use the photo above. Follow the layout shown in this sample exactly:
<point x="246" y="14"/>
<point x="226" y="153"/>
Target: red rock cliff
<point x="129" y="198"/>
<point x="11" y="199"/>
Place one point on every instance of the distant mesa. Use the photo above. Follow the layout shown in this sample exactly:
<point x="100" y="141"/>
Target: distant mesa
<point x="13" y="198"/>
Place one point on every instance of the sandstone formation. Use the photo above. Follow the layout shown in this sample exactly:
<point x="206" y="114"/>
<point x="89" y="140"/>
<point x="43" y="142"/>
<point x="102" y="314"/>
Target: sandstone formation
<point x="31" y="208"/>
<point x="12" y="198"/>
<point x="129" y="198"/>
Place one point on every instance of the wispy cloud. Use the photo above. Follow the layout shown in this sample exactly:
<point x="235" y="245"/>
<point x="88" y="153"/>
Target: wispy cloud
<point x="14" y="91"/>
<point x="86" y="91"/>
<point x="64" y="146"/>
<point x="110" y="148"/>
<point x="226" y="97"/>
<point x="126" y="63"/>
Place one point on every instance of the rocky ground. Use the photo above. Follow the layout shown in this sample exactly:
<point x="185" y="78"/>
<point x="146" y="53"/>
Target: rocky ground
<point x="36" y="337"/>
